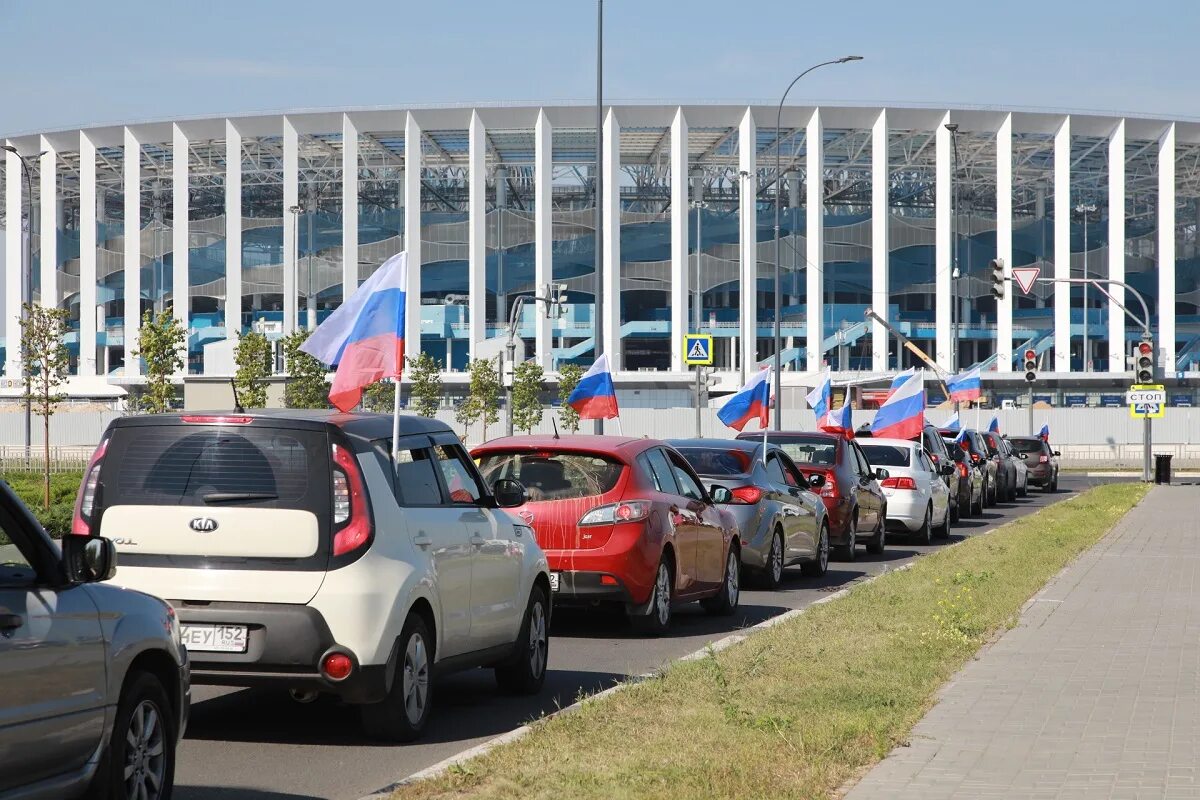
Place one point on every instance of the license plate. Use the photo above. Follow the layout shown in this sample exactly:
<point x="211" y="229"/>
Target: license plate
<point x="214" y="638"/>
<point x="554" y="581"/>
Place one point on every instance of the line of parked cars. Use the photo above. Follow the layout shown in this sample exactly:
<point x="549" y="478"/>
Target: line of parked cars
<point x="312" y="552"/>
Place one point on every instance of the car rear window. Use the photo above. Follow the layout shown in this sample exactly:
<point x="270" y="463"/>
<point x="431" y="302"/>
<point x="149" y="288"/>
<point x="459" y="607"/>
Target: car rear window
<point x="811" y="452"/>
<point x="554" y="476"/>
<point x="191" y="465"/>
<point x="887" y="455"/>
<point x="1026" y="445"/>
<point x="717" y="460"/>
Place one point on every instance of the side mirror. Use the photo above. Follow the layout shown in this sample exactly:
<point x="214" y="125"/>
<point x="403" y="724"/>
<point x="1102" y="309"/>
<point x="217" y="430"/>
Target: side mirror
<point x="1057" y="453"/>
<point x="947" y="469"/>
<point x="720" y="495"/>
<point x="816" y="481"/>
<point x="508" y="493"/>
<point x="882" y="474"/>
<point x="89" y="559"/>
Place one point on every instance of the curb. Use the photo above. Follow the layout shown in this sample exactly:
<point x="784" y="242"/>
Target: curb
<point x="443" y="766"/>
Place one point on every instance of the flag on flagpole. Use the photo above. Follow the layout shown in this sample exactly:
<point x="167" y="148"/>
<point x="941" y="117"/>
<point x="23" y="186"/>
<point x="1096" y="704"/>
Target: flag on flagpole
<point x="902" y="415"/>
<point x="364" y="337"/>
<point x="901" y="378"/>
<point x="595" y="397"/>
<point x="953" y="423"/>
<point x="821" y="397"/>
<point x="752" y="401"/>
<point x="1044" y="433"/>
<point x="839" y="421"/>
<point x="994" y="425"/>
<point x="965" y="386"/>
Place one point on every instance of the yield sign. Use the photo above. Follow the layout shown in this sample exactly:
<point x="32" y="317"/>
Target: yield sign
<point x="1025" y="276"/>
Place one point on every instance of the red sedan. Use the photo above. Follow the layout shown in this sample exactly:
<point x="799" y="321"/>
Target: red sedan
<point x="622" y="521"/>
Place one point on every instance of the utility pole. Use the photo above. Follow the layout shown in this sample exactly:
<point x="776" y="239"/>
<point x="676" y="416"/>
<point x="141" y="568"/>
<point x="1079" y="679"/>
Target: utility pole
<point x="598" y="305"/>
<point x="26" y="286"/>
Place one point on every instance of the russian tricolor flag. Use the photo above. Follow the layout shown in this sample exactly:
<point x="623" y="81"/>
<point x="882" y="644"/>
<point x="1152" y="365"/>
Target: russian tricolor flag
<point x="994" y="425"/>
<point x="821" y="397"/>
<point x="752" y="401"/>
<point x="901" y="378"/>
<point x="902" y="415"/>
<point x="839" y="421"/>
<point x="595" y="397"/>
<point x="1044" y="434"/>
<point x="965" y="386"/>
<point x="364" y="337"/>
<point x="953" y="423"/>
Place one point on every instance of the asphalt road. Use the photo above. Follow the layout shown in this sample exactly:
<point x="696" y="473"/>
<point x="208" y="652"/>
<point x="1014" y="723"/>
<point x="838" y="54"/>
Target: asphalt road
<point x="260" y="745"/>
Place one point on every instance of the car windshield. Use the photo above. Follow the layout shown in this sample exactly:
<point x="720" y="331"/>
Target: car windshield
<point x="887" y="455"/>
<point x="991" y="445"/>
<point x="1026" y="445"/>
<point x="817" y="452"/>
<point x="554" y="476"/>
<point x="715" y="461"/>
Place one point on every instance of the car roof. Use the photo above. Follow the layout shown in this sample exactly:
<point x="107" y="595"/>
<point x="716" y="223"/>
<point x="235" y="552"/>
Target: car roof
<point x="364" y="425"/>
<point x="833" y="437"/>
<point x="1025" y="439"/>
<point x="745" y="445"/>
<point x="892" y="442"/>
<point x="627" y="446"/>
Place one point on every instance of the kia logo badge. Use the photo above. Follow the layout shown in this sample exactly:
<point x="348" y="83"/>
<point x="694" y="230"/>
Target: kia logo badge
<point x="203" y="524"/>
<point x="526" y="515"/>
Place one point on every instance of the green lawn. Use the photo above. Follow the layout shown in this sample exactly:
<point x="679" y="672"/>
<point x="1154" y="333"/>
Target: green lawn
<point x="801" y="708"/>
<point x="63" y="488"/>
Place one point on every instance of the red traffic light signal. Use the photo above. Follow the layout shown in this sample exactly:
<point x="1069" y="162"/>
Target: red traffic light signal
<point x="1145" y="348"/>
<point x="1030" y="355"/>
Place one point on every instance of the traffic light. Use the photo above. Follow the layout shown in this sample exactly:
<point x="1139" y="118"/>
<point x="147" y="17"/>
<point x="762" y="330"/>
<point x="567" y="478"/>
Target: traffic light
<point x="1030" y="363"/>
<point x="998" y="281"/>
<point x="1143" y="361"/>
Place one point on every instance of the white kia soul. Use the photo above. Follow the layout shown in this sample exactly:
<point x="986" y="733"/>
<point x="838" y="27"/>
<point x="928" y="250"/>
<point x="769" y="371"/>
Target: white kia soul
<point x="297" y="556"/>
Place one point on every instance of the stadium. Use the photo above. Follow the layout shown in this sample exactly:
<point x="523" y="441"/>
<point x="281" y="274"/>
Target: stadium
<point x="270" y="220"/>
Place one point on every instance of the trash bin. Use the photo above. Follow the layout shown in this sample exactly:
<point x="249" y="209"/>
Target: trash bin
<point x="1162" y="468"/>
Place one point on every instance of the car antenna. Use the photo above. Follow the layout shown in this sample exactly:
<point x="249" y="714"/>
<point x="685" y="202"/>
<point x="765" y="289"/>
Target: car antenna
<point x="237" y="404"/>
<point x="554" y="422"/>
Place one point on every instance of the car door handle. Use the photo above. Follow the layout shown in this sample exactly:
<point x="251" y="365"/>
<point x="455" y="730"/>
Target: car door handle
<point x="10" y="622"/>
<point x="422" y="540"/>
<point x="478" y="541"/>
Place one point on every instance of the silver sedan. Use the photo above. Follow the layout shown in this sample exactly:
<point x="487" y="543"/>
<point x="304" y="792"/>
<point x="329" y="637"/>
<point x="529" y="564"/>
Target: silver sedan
<point x="781" y="521"/>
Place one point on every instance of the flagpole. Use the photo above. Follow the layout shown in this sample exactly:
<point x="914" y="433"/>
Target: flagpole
<point x="396" y="421"/>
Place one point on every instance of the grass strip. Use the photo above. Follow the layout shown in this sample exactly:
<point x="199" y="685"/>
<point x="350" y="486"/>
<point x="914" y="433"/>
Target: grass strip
<point x="799" y="709"/>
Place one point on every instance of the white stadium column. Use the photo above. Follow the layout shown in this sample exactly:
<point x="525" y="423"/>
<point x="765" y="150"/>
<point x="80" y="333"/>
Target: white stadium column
<point x="543" y="233"/>
<point x="412" y="236"/>
<point x="476" y="233"/>
<point x="814" y="160"/>
<point x="47" y="227"/>
<point x="1116" y="248"/>
<point x="132" y="175"/>
<point x="87" y="256"/>
<point x="1165" y="337"/>
<point x="880" y="247"/>
<point x="943" y="246"/>
<point x="14" y="260"/>
<point x="1062" y="246"/>
<point x="233" y="232"/>
<point x="679" y="239"/>
<point x="349" y="207"/>
<point x="1004" y="244"/>
<point x="180" y="289"/>
<point x="748" y="238"/>
<point x="611" y="231"/>
<point x="291" y="198"/>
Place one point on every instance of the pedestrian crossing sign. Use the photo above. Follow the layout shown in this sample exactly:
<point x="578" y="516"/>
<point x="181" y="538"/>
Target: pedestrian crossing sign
<point x="697" y="350"/>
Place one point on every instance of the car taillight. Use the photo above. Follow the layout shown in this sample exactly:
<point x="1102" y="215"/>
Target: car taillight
<point x="337" y="666"/>
<point x="902" y="482"/>
<point x="747" y="495"/>
<point x="194" y="419"/>
<point x="962" y="470"/>
<point x="615" y="513"/>
<point x="1043" y="459"/>
<point x="830" y="487"/>
<point x="351" y="517"/>
<point x="85" y="502"/>
<point x="975" y="458"/>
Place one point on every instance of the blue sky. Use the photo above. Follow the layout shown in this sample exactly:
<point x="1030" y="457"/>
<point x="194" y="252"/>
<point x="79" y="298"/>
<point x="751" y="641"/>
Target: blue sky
<point x="77" y="62"/>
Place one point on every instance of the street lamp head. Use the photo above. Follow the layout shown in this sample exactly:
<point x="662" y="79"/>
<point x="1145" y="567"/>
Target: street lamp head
<point x="9" y="148"/>
<point x="295" y="209"/>
<point x="844" y="59"/>
<point x="952" y="127"/>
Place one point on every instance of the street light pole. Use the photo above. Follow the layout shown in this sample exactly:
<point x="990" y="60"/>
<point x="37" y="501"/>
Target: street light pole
<point x="295" y="212"/>
<point x="778" y="273"/>
<point x="26" y="286"/>
<point x="310" y="300"/>
<point x="1086" y="209"/>
<point x="598" y="303"/>
<point x="955" y="312"/>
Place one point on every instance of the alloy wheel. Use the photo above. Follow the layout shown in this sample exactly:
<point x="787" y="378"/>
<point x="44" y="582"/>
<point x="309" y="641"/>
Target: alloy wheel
<point x="145" y="761"/>
<point x="537" y="640"/>
<point x="416" y="678"/>
<point x="823" y="550"/>
<point x="662" y="595"/>
<point x="776" y="559"/>
<point x="732" y="587"/>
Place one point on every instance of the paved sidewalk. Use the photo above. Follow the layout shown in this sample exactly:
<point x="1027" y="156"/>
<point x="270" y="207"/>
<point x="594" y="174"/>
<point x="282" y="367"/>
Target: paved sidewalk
<point x="1095" y="694"/>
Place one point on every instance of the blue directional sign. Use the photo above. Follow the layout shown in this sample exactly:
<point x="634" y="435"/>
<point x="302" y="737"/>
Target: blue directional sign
<point x="698" y="350"/>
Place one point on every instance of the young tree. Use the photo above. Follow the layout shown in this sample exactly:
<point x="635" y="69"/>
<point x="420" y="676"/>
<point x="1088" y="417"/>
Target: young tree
<point x="306" y="386"/>
<point x="484" y="392"/>
<point x="527" y="395"/>
<point x="425" y="384"/>
<point x="380" y="397"/>
<point x="253" y="358"/>
<point x="160" y="345"/>
<point x="45" y="356"/>
<point x="568" y="379"/>
<point x="465" y="412"/>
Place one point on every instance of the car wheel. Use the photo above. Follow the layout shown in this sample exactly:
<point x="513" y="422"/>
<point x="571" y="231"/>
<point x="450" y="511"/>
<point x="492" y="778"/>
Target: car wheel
<point x="943" y="530"/>
<point x="877" y="543"/>
<point x="925" y="532"/>
<point x="725" y="602"/>
<point x="140" y="759"/>
<point x="977" y="506"/>
<point x="658" y="621"/>
<point x="954" y="510"/>
<point x="1025" y="487"/>
<point x="849" y="550"/>
<point x="526" y="673"/>
<point x="772" y="576"/>
<point x="403" y="712"/>
<point x="1054" y="486"/>
<point x="820" y="565"/>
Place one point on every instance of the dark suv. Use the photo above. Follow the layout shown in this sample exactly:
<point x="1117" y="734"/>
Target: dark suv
<point x="977" y="450"/>
<point x="1041" y="460"/>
